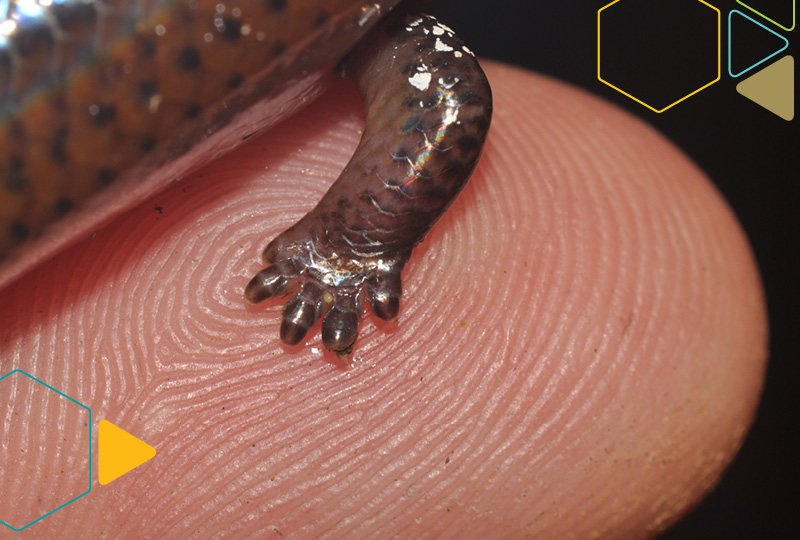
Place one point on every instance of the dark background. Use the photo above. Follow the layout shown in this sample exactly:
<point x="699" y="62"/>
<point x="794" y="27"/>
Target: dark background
<point x="751" y="156"/>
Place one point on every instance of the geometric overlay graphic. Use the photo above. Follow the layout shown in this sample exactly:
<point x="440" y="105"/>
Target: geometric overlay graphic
<point x="45" y="450"/>
<point x="750" y="43"/>
<point x="659" y="52"/>
<point x="771" y="10"/>
<point x="772" y="88"/>
<point x="118" y="452"/>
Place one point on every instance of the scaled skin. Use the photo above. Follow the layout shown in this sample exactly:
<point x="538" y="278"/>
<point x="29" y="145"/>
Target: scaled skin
<point x="580" y="349"/>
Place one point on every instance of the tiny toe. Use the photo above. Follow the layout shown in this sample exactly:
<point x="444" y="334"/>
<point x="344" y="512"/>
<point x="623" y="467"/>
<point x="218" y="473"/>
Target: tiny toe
<point x="385" y="307"/>
<point x="384" y="296"/>
<point x="340" y="329"/>
<point x="301" y="312"/>
<point x="277" y="249"/>
<point x="270" y="282"/>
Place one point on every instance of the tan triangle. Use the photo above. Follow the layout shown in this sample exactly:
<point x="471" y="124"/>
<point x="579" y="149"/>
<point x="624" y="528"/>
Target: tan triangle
<point x="772" y="88"/>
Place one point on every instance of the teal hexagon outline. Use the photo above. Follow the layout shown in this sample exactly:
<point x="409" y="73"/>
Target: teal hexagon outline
<point x="90" y="448"/>
<point x="637" y="100"/>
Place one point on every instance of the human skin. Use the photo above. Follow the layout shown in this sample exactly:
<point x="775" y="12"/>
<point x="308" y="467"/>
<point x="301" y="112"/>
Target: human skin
<point x="580" y="348"/>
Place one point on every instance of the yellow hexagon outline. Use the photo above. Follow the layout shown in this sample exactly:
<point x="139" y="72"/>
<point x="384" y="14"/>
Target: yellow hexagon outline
<point x="719" y="60"/>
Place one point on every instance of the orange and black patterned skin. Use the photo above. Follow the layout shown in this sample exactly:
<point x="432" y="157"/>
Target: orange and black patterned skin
<point x="89" y="88"/>
<point x="94" y="93"/>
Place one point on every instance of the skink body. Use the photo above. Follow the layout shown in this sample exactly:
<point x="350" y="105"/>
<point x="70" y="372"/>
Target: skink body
<point x="101" y="100"/>
<point x="102" y="103"/>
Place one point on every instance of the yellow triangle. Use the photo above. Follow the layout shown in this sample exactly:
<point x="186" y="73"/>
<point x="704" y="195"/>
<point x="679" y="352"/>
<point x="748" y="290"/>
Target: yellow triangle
<point x="118" y="452"/>
<point x="772" y="88"/>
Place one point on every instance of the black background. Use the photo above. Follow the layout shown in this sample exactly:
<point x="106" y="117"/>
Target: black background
<point x="751" y="156"/>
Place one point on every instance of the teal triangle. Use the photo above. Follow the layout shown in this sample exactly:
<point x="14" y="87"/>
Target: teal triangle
<point x="742" y="38"/>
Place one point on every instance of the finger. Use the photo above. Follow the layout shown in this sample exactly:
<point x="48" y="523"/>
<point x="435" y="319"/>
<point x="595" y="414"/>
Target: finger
<point x="579" y="348"/>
